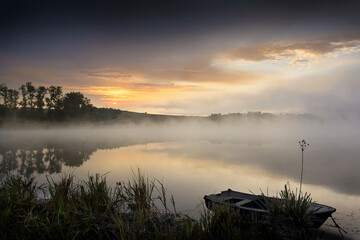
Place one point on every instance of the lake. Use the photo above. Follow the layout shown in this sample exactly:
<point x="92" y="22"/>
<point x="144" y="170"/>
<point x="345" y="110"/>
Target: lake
<point x="196" y="158"/>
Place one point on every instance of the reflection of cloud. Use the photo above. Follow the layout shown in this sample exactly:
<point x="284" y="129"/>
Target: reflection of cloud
<point x="277" y="153"/>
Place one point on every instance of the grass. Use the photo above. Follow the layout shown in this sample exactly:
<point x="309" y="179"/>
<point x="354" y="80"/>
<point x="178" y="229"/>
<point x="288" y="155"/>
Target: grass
<point x="135" y="209"/>
<point x="225" y="223"/>
<point x="91" y="209"/>
<point x="291" y="211"/>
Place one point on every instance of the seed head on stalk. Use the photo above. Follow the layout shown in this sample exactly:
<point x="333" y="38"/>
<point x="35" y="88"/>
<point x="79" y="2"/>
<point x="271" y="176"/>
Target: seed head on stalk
<point x="303" y="145"/>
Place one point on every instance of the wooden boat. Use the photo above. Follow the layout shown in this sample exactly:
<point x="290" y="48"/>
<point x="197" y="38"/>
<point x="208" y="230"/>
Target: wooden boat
<point x="255" y="204"/>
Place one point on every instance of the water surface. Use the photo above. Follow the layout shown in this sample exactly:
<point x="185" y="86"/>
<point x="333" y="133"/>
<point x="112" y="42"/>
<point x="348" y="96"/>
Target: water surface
<point x="196" y="159"/>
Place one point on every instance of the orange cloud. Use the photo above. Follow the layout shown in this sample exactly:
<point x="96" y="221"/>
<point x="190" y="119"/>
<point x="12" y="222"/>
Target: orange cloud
<point x="201" y="73"/>
<point x="204" y="74"/>
<point x="133" y="94"/>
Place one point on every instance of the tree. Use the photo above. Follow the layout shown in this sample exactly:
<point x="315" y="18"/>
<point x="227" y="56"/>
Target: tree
<point x="76" y="106"/>
<point x="30" y="94"/>
<point x="40" y="96"/>
<point x="54" y="101"/>
<point x="23" y="91"/>
<point x="4" y="94"/>
<point x="13" y="97"/>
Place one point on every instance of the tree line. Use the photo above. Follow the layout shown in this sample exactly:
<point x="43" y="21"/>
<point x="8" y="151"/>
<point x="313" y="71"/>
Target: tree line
<point x="41" y="103"/>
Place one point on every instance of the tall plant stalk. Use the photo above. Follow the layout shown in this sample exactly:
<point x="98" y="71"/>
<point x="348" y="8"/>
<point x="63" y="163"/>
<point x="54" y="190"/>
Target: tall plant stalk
<point x="303" y="144"/>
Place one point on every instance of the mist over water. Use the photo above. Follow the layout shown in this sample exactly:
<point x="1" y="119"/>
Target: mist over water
<point x="194" y="158"/>
<point x="332" y="160"/>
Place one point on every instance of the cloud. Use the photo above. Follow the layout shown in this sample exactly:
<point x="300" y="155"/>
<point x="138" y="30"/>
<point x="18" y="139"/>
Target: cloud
<point x="131" y="93"/>
<point x="109" y="75"/>
<point x="295" y="53"/>
<point x="209" y="75"/>
<point x="330" y="95"/>
<point x="298" y="61"/>
<point x="279" y="51"/>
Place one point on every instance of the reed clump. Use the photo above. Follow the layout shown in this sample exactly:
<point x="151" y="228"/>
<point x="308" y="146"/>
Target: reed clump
<point x="90" y="209"/>
<point x="291" y="213"/>
<point x="135" y="209"/>
<point x="18" y="198"/>
<point x="223" y="222"/>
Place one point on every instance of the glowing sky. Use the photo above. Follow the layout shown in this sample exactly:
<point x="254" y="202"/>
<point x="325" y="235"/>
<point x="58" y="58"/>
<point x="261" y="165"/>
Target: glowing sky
<point x="189" y="57"/>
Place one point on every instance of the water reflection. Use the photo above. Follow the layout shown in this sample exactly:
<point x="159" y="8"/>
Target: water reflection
<point x="48" y="158"/>
<point x="331" y="161"/>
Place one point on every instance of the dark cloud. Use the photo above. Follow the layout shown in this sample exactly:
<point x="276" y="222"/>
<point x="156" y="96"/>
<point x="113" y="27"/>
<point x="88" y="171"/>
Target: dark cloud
<point x="102" y="32"/>
<point x="131" y="31"/>
<point x="179" y="14"/>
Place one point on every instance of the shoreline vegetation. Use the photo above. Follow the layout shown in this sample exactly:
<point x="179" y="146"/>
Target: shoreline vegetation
<point x="31" y="105"/>
<point x="138" y="208"/>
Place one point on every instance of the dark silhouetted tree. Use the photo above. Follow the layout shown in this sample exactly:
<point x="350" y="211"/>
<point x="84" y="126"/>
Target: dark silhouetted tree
<point x="10" y="99"/>
<point x="27" y="102"/>
<point x="13" y="97"/>
<point x="54" y="101"/>
<point x="40" y="97"/>
<point x="31" y="91"/>
<point x="76" y="106"/>
<point x="4" y="94"/>
<point x="23" y="92"/>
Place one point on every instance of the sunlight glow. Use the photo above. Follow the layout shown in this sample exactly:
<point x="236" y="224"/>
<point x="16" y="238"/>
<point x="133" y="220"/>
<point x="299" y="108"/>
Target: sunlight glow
<point x="138" y="93"/>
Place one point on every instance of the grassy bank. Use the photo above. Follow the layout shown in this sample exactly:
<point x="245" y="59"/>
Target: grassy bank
<point x="135" y="209"/>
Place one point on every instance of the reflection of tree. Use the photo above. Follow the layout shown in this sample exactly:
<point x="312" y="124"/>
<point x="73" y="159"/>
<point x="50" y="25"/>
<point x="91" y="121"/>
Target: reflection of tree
<point x="51" y="158"/>
<point x="76" y="157"/>
<point x="8" y="161"/>
<point x="39" y="163"/>
<point x="47" y="158"/>
<point x="27" y="165"/>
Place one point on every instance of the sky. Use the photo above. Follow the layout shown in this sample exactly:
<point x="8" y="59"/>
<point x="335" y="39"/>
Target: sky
<point x="189" y="57"/>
